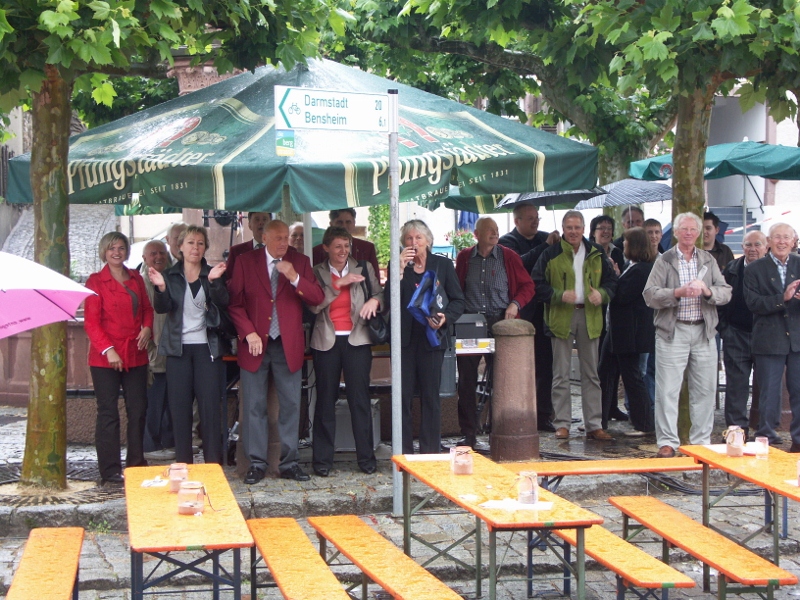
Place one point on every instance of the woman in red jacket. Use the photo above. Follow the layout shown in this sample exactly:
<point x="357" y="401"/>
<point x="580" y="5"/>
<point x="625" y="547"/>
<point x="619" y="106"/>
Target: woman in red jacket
<point x="118" y="322"/>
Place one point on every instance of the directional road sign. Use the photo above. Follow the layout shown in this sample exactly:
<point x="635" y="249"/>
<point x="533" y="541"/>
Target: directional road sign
<point x="311" y="108"/>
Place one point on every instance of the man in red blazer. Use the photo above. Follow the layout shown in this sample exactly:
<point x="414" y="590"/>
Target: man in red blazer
<point x="359" y="249"/>
<point x="267" y="292"/>
<point x="256" y="221"/>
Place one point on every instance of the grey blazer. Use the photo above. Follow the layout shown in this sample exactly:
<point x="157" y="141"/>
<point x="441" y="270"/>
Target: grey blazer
<point x="324" y="335"/>
<point x="776" y="324"/>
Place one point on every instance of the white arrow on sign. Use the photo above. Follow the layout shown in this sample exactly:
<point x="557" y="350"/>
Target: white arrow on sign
<point x="312" y="108"/>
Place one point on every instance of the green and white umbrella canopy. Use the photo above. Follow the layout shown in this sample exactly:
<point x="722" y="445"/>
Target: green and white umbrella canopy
<point x="723" y="160"/>
<point x="216" y="149"/>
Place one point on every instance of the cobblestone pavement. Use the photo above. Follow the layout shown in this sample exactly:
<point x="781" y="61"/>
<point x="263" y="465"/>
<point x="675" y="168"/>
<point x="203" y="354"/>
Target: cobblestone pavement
<point x="105" y="560"/>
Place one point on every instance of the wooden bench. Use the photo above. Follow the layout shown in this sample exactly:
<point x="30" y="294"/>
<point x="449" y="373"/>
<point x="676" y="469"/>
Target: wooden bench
<point x="297" y="568"/>
<point x="379" y="559"/>
<point x="552" y="472"/>
<point x="633" y="567"/>
<point x="733" y="562"/>
<point x="49" y="566"/>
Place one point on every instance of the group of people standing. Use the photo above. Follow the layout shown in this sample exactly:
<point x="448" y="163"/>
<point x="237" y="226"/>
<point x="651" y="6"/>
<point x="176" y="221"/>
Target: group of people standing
<point x="630" y="309"/>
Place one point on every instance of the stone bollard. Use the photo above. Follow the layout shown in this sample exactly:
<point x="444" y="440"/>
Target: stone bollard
<point x="514" y="432"/>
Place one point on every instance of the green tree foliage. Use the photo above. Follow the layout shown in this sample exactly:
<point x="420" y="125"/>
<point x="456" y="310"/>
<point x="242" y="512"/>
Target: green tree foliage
<point x="50" y="47"/>
<point x="131" y="94"/>
<point x="380" y="232"/>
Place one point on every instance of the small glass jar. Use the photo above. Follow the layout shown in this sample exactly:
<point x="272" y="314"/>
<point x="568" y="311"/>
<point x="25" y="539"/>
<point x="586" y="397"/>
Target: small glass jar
<point x="191" y="498"/>
<point x="528" y="487"/>
<point x="462" y="461"/>
<point x="177" y="473"/>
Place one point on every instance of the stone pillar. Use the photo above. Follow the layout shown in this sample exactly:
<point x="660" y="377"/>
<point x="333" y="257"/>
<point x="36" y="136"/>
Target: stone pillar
<point x="514" y="432"/>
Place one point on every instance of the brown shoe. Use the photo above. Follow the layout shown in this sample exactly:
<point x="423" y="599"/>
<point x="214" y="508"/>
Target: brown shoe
<point x="599" y="434"/>
<point x="665" y="452"/>
<point x="562" y="433"/>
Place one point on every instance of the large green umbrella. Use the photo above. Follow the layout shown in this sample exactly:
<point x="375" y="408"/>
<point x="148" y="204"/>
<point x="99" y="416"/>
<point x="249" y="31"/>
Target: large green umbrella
<point x="216" y="149"/>
<point x="724" y="160"/>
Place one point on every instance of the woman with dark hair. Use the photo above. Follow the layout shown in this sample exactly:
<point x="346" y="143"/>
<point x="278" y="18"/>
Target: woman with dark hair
<point x="192" y="294"/>
<point x="601" y="232"/>
<point x="341" y="344"/>
<point x="422" y="362"/>
<point x="630" y="333"/>
<point x="118" y="323"/>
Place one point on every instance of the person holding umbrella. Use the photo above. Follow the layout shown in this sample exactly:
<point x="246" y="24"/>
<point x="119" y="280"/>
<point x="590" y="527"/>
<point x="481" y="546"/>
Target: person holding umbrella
<point x="422" y="361"/>
<point x="192" y="294"/>
<point x="341" y="344"/>
<point x="118" y="323"/>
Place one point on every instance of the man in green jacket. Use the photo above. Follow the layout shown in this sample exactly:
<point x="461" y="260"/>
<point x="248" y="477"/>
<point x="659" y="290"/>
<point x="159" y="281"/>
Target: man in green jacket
<point x="575" y="279"/>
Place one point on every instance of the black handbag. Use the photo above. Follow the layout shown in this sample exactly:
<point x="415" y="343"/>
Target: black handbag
<point x="377" y="327"/>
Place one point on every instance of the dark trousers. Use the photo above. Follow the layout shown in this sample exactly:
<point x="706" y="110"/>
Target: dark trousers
<point x="158" y="425"/>
<point x="422" y="368"/>
<point x="738" y="365"/>
<point x="612" y="366"/>
<point x="467" y="391"/>
<point x="355" y="362"/>
<point x="769" y="371"/>
<point x="543" y="358"/>
<point x="107" y="383"/>
<point x="195" y="375"/>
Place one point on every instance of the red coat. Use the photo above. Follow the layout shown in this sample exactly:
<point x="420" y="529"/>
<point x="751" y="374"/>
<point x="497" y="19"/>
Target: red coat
<point x="361" y="250"/>
<point x="235" y="252"/>
<point x="109" y="319"/>
<point x="251" y="305"/>
<point x="520" y="284"/>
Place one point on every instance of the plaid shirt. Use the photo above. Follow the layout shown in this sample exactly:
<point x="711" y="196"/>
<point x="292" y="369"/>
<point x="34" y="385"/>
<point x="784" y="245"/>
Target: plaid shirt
<point x="688" y="308"/>
<point x="486" y="288"/>
<point x="781" y="268"/>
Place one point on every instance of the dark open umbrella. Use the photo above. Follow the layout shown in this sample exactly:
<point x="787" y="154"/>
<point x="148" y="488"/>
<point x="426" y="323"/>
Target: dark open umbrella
<point x="626" y="192"/>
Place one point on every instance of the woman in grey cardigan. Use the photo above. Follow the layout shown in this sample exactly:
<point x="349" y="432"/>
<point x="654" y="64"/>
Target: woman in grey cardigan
<point x="341" y="344"/>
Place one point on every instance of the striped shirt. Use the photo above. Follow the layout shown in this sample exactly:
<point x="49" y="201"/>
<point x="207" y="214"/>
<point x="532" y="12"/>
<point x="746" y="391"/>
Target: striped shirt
<point x="781" y="268"/>
<point x="689" y="309"/>
<point x="486" y="283"/>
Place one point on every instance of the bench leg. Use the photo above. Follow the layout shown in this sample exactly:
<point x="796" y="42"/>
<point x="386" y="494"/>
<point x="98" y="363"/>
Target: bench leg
<point x="478" y="563"/>
<point x="364" y="582"/>
<point x="567" y="573"/>
<point x="237" y="575"/>
<point x="406" y="513"/>
<point x="530" y="564"/>
<point x="253" y="585"/>
<point x="580" y="563"/>
<point x="215" y="571"/>
<point x="722" y="587"/>
<point x="76" y="585"/>
<point x="492" y="564"/>
<point x="776" y="533"/>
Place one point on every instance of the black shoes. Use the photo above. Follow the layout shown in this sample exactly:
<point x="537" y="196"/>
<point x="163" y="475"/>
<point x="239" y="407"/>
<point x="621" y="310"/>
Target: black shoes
<point x="467" y="441"/>
<point x="368" y="470"/>
<point x="320" y="471"/>
<point x="616" y="414"/>
<point x="254" y="475"/>
<point x="115" y="479"/>
<point x="546" y="426"/>
<point x="296" y="473"/>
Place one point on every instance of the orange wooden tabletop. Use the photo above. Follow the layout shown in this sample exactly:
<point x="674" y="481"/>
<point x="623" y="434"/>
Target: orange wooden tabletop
<point x="154" y="524"/>
<point x="771" y="473"/>
<point x="490" y="481"/>
<point x="557" y="468"/>
<point x="49" y="562"/>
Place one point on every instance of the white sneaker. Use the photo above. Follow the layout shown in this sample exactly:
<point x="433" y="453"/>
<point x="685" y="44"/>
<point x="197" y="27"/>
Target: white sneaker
<point x="164" y="454"/>
<point x="635" y="433"/>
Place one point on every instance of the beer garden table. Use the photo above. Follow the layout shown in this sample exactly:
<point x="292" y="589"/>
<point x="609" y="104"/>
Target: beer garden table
<point x="490" y="481"/>
<point x="156" y="528"/>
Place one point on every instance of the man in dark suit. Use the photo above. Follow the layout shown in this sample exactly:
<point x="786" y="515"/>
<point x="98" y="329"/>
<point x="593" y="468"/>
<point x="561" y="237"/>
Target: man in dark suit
<point x="360" y="249"/>
<point x="772" y="295"/>
<point x="267" y="292"/>
<point x="256" y="221"/>
<point x="527" y="241"/>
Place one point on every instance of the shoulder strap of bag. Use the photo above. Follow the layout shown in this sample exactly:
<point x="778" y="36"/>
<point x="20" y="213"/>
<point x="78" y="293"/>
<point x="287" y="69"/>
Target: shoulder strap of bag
<point x="365" y="284"/>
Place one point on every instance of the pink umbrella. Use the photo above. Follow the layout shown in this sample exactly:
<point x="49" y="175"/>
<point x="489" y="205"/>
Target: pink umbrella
<point x="32" y="295"/>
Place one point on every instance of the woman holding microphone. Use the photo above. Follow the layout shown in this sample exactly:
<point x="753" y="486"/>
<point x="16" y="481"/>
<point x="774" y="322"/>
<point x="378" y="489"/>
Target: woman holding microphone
<point x="422" y="362"/>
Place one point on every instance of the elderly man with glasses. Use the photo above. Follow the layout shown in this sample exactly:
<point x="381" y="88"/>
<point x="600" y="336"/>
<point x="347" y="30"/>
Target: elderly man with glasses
<point x="684" y="288"/>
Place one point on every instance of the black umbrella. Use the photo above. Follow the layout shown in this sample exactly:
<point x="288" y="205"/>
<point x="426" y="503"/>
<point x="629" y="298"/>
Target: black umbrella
<point x="626" y="192"/>
<point x="565" y="199"/>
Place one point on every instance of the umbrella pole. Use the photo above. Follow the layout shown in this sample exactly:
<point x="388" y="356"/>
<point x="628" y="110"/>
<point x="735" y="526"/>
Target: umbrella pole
<point x="394" y="315"/>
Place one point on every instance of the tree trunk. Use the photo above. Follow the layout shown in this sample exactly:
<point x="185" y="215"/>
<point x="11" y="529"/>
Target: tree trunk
<point x="45" y="461"/>
<point x="688" y="187"/>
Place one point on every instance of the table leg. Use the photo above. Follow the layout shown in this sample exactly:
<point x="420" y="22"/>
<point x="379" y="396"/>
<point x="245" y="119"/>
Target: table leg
<point x="406" y="513"/>
<point x="237" y="575"/>
<point x="776" y="532"/>
<point x="706" y="520"/>
<point x="492" y="564"/>
<point x="478" y="574"/>
<point x="137" y="575"/>
<point x="253" y="586"/>
<point x="580" y="564"/>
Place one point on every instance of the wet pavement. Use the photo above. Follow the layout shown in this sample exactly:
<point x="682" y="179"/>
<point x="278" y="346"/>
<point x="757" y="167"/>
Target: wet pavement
<point x="105" y="560"/>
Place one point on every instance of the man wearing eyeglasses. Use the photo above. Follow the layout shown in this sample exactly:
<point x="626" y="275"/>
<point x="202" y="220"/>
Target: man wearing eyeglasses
<point x="685" y="287"/>
<point x="772" y="295"/>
